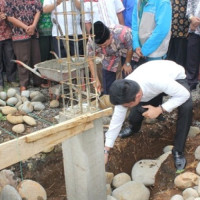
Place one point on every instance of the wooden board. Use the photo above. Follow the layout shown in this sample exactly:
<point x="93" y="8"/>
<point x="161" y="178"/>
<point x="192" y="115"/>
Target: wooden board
<point x="24" y="147"/>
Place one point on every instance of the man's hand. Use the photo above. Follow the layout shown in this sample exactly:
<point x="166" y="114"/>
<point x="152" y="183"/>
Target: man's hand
<point x="127" y="69"/>
<point x="194" y="23"/>
<point x="106" y="154"/>
<point x="139" y="52"/>
<point x="30" y="30"/>
<point x="2" y="16"/>
<point x="58" y="2"/>
<point x="152" y="112"/>
<point x="97" y="85"/>
<point x="106" y="158"/>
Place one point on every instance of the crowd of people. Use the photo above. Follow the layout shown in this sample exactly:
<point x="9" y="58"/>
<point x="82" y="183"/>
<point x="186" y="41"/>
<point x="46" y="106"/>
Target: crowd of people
<point x="135" y="40"/>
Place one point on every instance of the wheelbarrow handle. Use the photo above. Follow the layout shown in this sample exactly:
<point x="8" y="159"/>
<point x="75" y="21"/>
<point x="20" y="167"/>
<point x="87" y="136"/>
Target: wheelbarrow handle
<point x="27" y="67"/>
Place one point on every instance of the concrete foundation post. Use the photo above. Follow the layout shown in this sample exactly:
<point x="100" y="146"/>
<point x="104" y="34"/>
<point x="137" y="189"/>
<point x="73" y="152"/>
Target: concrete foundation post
<point x="84" y="165"/>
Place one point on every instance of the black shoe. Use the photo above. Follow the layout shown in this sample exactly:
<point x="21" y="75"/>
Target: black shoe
<point x="126" y="132"/>
<point x="179" y="160"/>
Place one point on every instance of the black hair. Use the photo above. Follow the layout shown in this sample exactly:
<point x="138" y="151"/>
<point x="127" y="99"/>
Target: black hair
<point x="101" y="32"/>
<point x="123" y="91"/>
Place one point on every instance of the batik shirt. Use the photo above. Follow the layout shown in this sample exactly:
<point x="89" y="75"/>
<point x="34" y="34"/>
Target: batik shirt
<point x="5" y="31"/>
<point x="193" y="9"/>
<point x="121" y="42"/>
<point x="45" y="24"/>
<point x="25" y="11"/>
<point x="180" y="23"/>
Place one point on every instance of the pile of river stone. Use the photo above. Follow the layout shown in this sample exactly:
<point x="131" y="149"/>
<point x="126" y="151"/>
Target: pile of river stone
<point x="16" y="106"/>
<point x="118" y="187"/>
<point x="15" y="189"/>
<point x="135" y="187"/>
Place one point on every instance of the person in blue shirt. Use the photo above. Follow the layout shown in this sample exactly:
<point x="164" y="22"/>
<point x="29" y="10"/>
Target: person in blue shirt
<point x="128" y="11"/>
<point x="151" y="25"/>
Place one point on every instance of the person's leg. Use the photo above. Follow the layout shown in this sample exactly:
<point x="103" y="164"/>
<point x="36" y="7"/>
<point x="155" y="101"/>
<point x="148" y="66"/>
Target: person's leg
<point x="80" y="45"/>
<point x="45" y="48"/>
<point x="59" y="48"/>
<point x="171" y="50"/>
<point x="22" y="53"/>
<point x="35" y="59"/>
<point x="182" y="128"/>
<point x="193" y="59"/>
<point x="135" y="117"/>
<point x="181" y="51"/>
<point x="184" y="121"/>
<point x="11" y="67"/>
<point x="1" y="65"/>
<point x="108" y="78"/>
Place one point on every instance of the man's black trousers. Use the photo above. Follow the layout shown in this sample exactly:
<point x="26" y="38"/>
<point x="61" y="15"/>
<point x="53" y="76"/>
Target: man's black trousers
<point x="183" y="122"/>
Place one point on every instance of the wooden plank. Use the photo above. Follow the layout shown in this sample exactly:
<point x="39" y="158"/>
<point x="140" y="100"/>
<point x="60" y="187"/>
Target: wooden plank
<point x="18" y="149"/>
<point x="67" y="124"/>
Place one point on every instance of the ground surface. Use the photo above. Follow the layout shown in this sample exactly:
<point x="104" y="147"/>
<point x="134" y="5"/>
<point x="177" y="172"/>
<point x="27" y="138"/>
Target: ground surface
<point x="47" y="169"/>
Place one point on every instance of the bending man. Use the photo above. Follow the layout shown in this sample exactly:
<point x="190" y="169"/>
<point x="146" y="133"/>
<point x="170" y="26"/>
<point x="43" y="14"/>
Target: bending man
<point x="142" y="89"/>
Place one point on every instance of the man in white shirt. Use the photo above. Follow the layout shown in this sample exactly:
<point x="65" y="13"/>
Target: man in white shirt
<point x="142" y="90"/>
<point x="108" y="12"/>
<point x="61" y="20"/>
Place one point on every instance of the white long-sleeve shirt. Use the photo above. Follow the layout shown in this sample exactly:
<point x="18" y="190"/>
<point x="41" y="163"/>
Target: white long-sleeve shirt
<point x="154" y="78"/>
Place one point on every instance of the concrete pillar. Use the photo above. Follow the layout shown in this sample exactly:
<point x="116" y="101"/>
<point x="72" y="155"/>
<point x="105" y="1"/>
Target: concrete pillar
<point x="84" y="165"/>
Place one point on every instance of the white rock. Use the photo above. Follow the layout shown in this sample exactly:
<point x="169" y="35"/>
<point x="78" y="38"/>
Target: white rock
<point x="198" y="188"/>
<point x="24" y="99"/>
<point x="193" y="131"/>
<point x="144" y="171"/>
<point x="190" y="198"/>
<point x="12" y="101"/>
<point x="185" y="180"/>
<point x="54" y="104"/>
<point x="25" y="93"/>
<point x="7" y="177"/>
<point x="34" y="93"/>
<point x="19" y="103"/>
<point x="164" y="156"/>
<point x="177" y="197"/>
<point x="40" y="97"/>
<point x="8" y="110"/>
<point x="11" y="92"/>
<point x="190" y="192"/>
<point x="29" y="120"/>
<point x="197" y="153"/>
<point x="48" y="150"/>
<point x="2" y="103"/>
<point x="38" y="106"/>
<point x="168" y="148"/>
<point x="198" y="168"/>
<point x="27" y="107"/>
<point x="32" y="190"/>
<point x="110" y="197"/>
<point x="14" y="119"/>
<point x="131" y="191"/>
<point x="9" y="193"/>
<point x="120" y="179"/>
<point x="18" y="97"/>
<point x="3" y="95"/>
<point x="19" y="128"/>
<point x="109" y="177"/>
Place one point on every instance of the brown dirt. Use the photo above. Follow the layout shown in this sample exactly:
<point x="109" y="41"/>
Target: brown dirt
<point x="148" y="144"/>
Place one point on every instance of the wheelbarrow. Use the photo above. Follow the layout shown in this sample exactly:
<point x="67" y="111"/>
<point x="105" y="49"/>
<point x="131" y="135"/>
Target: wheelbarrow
<point x="57" y="70"/>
